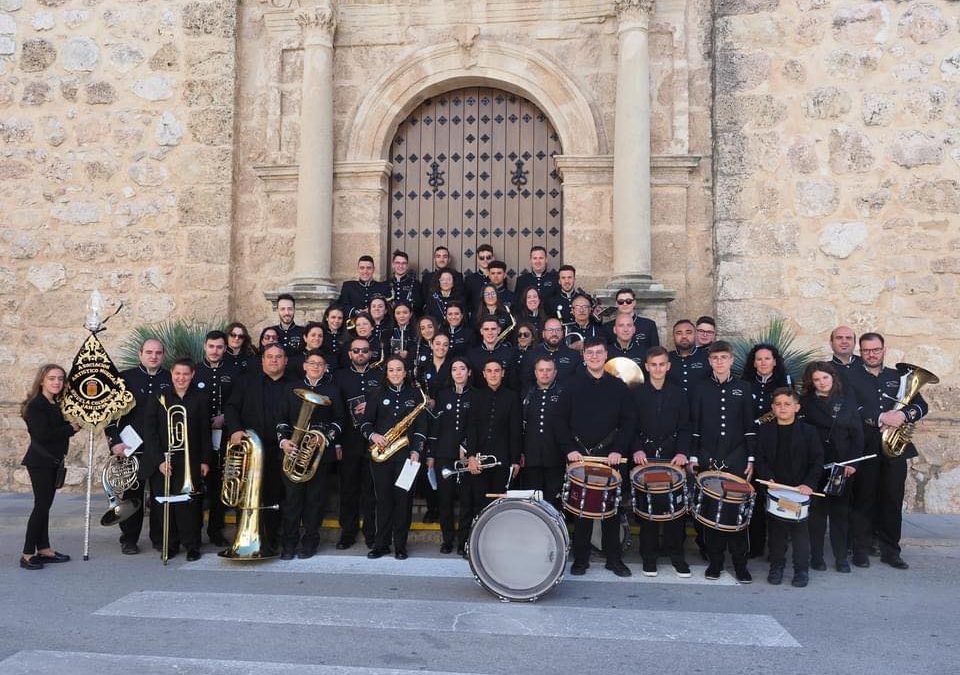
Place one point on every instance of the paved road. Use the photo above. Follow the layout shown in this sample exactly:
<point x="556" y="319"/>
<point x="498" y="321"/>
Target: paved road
<point x="341" y="613"/>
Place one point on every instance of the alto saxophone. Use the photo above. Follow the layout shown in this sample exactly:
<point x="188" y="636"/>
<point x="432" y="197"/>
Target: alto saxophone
<point x="396" y="436"/>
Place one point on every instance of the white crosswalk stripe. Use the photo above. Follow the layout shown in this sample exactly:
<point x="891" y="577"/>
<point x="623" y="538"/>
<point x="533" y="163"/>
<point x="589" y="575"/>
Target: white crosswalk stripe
<point x="458" y="617"/>
<point x="437" y="568"/>
<point x="31" y="662"/>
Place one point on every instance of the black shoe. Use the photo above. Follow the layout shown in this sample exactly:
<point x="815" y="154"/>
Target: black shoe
<point x="895" y="561"/>
<point x="31" y="563"/>
<point x="133" y="549"/>
<point x="861" y="560"/>
<point x="370" y="542"/>
<point x="649" y="568"/>
<point x="843" y="566"/>
<point x="218" y="540"/>
<point x="57" y="557"/>
<point x="800" y="579"/>
<point x="713" y="572"/>
<point x="401" y="554"/>
<point x="344" y="544"/>
<point x="375" y="553"/>
<point x="743" y="575"/>
<point x="430" y="516"/>
<point x="446" y="548"/>
<point x="775" y="575"/>
<point x="462" y="550"/>
<point x="172" y="553"/>
<point x="193" y="555"/>
<point x="618" y="568"/>
<point x="681" y="569"/>
<point x="818" y="565"/>
<point x="307" y="553"/>
<point x="287" y="554"/>
<point x="579" y="569"/>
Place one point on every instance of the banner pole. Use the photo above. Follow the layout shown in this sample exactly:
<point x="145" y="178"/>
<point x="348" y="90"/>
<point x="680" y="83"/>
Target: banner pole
<point x="86" y="518"/>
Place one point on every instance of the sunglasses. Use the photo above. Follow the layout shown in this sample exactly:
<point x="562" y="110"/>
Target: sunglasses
<point x="625" y="301"/>
<point x="239" y="336"/>
<point x="484" y="257"/>
<point x="524" y="335"/>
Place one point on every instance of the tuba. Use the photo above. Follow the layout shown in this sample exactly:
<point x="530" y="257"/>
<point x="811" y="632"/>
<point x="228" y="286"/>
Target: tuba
<point x="177" y="441"/>
<point x="119" y="477"/>
<point x="895" y="441"/>
<point x="301" y="465"/>
<point x="397" y="434"/>
<point x="243" y="465"/>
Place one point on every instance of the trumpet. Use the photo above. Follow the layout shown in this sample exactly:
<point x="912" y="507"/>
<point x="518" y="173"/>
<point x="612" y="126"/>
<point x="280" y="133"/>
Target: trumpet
<point x="462" y="465"/>
<point x="301" y="465"/>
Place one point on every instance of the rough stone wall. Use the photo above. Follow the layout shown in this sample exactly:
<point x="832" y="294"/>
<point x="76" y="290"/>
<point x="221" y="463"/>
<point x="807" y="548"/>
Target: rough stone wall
<point x="837" y="173"/>
<point x="116" y="154"/>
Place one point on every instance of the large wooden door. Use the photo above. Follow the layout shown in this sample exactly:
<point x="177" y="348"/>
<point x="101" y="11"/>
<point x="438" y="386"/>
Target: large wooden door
<point x="475" y="166"/>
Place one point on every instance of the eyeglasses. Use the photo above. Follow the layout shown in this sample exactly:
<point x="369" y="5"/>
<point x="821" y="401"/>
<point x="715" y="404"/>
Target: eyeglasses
<point x="524" y="334"/>
<point x="489" y="294"/>
<point x="355" y="350"/>
<point x="484" y="257"/>
<point x="625" y="301"/>
<point x="581" y="307"/>
<point x="875" y="350"/>
<point x="706" y="332"/>
<point x="553" y="330"/>
<point x="239" y="336"/>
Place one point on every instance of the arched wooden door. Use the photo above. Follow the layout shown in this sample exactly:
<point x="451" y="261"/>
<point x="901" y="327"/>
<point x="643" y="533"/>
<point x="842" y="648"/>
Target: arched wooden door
<point x="475" y="166"/>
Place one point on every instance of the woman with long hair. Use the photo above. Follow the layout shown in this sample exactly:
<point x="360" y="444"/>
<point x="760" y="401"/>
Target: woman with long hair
<point x="529" y="309"/>
<point x="837" y="421"/>
<point x="312" y="339"/>
<point x="403" y="334"/>
<point x="240" y="351"/>
<point x="363" y="327"/>
<point x="427" y="327"/>
<point x="490" y="306"/>
<point x="335" y="336"/>
<point x="443" y="291"/>
<point x="49" y="440"/>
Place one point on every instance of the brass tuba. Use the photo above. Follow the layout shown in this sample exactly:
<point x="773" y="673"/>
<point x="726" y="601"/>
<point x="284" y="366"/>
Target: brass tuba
<point x="243" y="465"/>
<point x="119" y="477"/>
<point x="895" y="441"/>
<point x="397" y="434"/>
<point x="301" y="465"/>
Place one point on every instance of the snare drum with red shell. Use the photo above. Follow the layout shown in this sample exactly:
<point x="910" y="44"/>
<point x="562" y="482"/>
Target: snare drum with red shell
<point x="659" y="492"/>
<point x="591" y="489"/>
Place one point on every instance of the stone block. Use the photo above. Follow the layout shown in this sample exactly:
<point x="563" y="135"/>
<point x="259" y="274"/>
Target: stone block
<point x="811" y="287"/>
<point x="12" y="169"/>
<point x="950" y="65"/>
<point x="126" y="57"/>
<point x="77" y="212"/>
<point x="863" y="288"/>
<point x="37" y="54"/>
<point x="865" y="23"/>
<point x="802" y="154"/>
<point x="167" y="57"/>
<point x="840" y="240"/>
<point x="8" y="25"/>
<point x="169" y="131"/>
<point x="748" y="280"/>
<point x="217" y="18"/>
<point x="146" y="173"/>
<point x="99" y="170"/>
<point x="7" y="94"/>
<point x="745" y="317"/>
<point x="923" y="22"/>
<point x="206" y="93"/>
<point x="42" y="21"/>
<point x="932" y="196"/>
<point x="733" y="7"/>
<point x="100" y="93"/>
<point x="945" y="265"/>
<point x="153" y="88"/>
<point x="925" y="103"/>
<point x="19" y="245"/>
<point x="756" y="239"/>
<point x="850" y="151"/>
<point x="211" y="126"/>
<point x="877" y="110"/>
<point x="793" y="70"/>
<point x="79" y="54"/>
<point x="36" y="93"/>
<point x="10" y="5"/>
<point x="741" y="71"/>
<point x="154" y="307"/>
<point x="69" y="88"/>
<point x="826" y="103"/>
<point x="816" y="197"/>
<point x="7" y="45"/>
<point x="74" y="18"/>
<point x="47" y="277"/>
<point x="871" y="203"/>
<point x="915" y="148"/>
<point x="811" y="30"/>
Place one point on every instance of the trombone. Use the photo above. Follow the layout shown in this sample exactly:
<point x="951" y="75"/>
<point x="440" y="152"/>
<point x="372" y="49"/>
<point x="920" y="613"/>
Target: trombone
<point x="462" y="465"/>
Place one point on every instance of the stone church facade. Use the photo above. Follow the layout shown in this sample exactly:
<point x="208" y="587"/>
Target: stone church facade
<point x="748" y="159"/>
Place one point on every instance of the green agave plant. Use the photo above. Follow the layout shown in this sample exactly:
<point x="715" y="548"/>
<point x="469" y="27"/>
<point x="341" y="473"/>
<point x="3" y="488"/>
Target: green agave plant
<point x="181" y="337"/>
<point x="781" y="337"/>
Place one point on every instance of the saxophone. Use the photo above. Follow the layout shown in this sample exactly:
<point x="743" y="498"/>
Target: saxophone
<point x="895" y="441"/>
<point x="396" y="436"/>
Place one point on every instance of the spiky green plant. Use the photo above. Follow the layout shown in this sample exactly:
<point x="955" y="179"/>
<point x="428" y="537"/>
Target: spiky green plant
<point x="780" y="336"/>
<point x="181" y="337"/>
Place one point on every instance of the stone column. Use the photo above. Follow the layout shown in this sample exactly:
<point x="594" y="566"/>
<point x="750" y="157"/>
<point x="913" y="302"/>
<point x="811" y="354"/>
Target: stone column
<point x="631" y="154"/>
<point x="312" y="278"/>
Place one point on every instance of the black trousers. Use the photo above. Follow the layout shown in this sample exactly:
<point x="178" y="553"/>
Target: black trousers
<point x="186" y="518"/>
<point x="878" y="499"/>
<point x="717" y="542"/>
<point x="217" y="510"/>
<point x="837" y="510"/>
<point x="609" y="537"/>
<point x="131" y="528"/>
<point x="548" y="479"/>
<point x="271" y="493"/>
<point x="661" y="539"/>
<point x="42" y="480"/>
<point x="758" y="521"/>
<point x="394" y="506"/>
<point x="356" y="490"/>
<point x="424" y="490"/>
<point x="778" y="531"/>
<point x="489" y="481"/>
<point x="448" y="490"/>
<point x="303" y="503"/>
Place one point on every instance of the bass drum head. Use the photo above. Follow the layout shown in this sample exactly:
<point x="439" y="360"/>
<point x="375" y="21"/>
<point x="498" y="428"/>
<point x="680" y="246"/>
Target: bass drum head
<point x="518" y="549"/>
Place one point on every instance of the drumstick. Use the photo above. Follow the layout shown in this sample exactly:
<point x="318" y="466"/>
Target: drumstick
<point x="770" y="483"/>
<point x="585" y="459"/>
<point x="849" y="461"/>
<point x="495" y="495"/>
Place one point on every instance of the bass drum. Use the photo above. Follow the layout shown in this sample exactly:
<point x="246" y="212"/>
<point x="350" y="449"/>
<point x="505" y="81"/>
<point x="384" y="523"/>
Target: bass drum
<point x="518" y="548"/>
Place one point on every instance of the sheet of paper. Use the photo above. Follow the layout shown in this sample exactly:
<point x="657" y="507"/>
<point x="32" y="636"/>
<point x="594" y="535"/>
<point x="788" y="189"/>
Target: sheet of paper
<point x="408" y="475"/>
<point x="432" y="477"/>
<point x="217" y="435"/>
<point x="173" y="499"/>
<point x="131" y="438"/>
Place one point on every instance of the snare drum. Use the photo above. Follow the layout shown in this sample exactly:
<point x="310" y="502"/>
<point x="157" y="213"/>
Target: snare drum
<point x="591" y="490"/>
<point x="518" y="548"/>
<point x="722" y="501"/>
<point x="788" y="505"/>
<point x="659" y="492"/>
<point x="836" y="481"/>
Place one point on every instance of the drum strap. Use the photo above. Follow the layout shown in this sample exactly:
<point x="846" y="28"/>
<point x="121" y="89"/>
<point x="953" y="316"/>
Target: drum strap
<point x="607" y="440"/>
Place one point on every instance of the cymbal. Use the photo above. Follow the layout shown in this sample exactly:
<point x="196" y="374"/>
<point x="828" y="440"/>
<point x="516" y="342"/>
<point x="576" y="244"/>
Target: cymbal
<point x="626" y="370"/>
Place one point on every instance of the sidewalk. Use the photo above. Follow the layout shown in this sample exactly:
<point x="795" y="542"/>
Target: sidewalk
<point x="919" y="529"/>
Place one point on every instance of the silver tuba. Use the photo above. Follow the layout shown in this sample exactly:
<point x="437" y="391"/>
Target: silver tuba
<point x="119" y="477"/>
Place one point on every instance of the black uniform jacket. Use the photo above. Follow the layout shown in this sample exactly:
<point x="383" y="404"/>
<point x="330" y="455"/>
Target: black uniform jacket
<point x="448" y="425"/>
<point x="494" y="427"/>
<point x="327" y="419"/>
<point x="256" y="405"/>
<point x="721" y="417"/>
<point x="355" y="296"/>
<point x="290" y="338"/>
<point x="407" y="289"/>
<point x="353" y="383"/>
<point x="799" y="463"/>
<point x="762" y="394"/>
<point x="645" y="333"/>
<point x="196" y="406"/>
<point x="567" y="361"/>
<point x="838" y="425"/>
<point x="143" y="386"/>
<point x="505" y="353"/>
<point x="596" y="416"/>
<point x="546" y="284"/>
<point x="663" y="420"/>
<point x="434" y="379"/>
<point x="542" y="428"/>
<point x="688" y="371"/>
<point x="387" y="406"/>
<point x="49" y="433"/>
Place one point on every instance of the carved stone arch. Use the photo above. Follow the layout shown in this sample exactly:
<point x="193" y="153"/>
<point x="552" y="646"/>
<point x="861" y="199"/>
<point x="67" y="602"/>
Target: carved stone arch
<point x="466" y="62"/>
